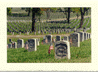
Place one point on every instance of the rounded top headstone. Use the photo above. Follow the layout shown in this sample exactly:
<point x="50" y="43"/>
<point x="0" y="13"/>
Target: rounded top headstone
<point x="74" y="29"/>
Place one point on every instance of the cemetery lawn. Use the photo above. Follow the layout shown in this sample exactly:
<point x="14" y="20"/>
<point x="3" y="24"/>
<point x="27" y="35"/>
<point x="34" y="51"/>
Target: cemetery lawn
<point x="80" y="54"/>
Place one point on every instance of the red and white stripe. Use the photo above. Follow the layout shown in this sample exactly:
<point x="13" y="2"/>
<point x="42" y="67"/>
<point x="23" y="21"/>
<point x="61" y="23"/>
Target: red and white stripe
<point x="50" y="48"/>
<point x="46" y="40"/>
<point x="26" y="47"/>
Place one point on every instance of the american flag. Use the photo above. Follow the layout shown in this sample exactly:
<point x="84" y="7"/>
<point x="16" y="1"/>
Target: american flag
<point x="46" y="40"/>
<point x="7" y="46"/>
<point x="26" y="47"/>
<point x="50" y="48"/>
<point x="54" y="40"/>
<point x="49" y="51"/>
<point x="42" y="42"/>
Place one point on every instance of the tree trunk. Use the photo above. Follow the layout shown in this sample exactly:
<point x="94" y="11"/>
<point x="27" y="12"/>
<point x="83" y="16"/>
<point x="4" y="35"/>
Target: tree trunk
<point x="68" y="15"/>
<point x="48" y="14"/>
<point x="82" y="18"/>
<point x="29" y="12"/>
<point x="33" y="20"/>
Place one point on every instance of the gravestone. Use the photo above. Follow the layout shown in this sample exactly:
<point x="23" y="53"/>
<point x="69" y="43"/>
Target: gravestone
<point x="27" y="33"/>
<point x="62" y="50"/>
<point x="10" y="45"/>
<point x="75" y="39"/>
<point x="37" y="42"/>
<point x="39" y="32"/>
<point x="84" y="30"/>
<point x="12" y="33"/>
<point x="66" y="38"/>
<point x="20" y="43"/>
<point x="74" y="29"/>
<point x="19" y="33"/>
<point x="58" y="31"/>
<point x="10" y="40"/>
<point x="89" y="35"/>
<point x="85" y="36"/>
<point x="14" y="45"/>
<point x="49" y="38"/>
<point x="32" y="45"/>
<point x="34" y="33"/>
<point x="58" y="38"/>
<point x="81" y="36"/>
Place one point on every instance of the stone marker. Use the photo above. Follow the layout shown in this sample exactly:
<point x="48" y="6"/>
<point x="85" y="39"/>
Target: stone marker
<point x="37" y="42"/>
<point x="84" y="30"/>
<point x="62" y="50"/>
<point x="10" y="40"/>
<point x="39" y="32"/>
<point x="49" y="38"/>
<point x="66" y="38"/>
<point x="10" y="45"/>
<point x="81" y="36"/>
<point x="32" y="45"/>
<point x="89" y="35"/>
<point x="20" y="43"/>
<point x="75" y="39"/>
<point x="19" y="33"/>
<point x="27" y="33"/>
<point x="14" y="45"/>
<point x="12" y="33"/>
<point x="58" y="38"/>
<point x="34" y="33"/>
<point x="85" y="36"/>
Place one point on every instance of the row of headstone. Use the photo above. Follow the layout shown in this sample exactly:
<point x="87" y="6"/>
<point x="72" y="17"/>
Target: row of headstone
<point x="31" y="44"/>
<point x="62" y="48"/>
<point x="77" y="37"/>
<point x="52" y="31"/>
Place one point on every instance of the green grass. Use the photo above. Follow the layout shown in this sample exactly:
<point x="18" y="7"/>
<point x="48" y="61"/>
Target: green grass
<point x="80" y="54"/>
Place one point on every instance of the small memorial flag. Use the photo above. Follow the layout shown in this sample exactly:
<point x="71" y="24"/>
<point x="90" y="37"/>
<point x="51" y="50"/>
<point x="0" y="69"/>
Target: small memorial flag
<point x="46" y="40"/>
<point x="42" y="42"/>
<point x="50" y="48"/>
<point x="26" y="47"/>
<point x="7" y="46"/>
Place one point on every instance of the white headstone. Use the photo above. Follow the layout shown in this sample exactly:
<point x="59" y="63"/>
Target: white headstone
<point x="66" y="38"/>
<point x="75" y="39"/>
<point x="62" y="50"/>
<point x="32" y="45"/>
<point x="49" y="38"/>
<point x="85" y="36"/>
<point x="14" y="45"/>
<point x="20" y="43"/>
<point x="10" y="45"/>
<point x="81" y="36"/>
<point x="58" y="38"/>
